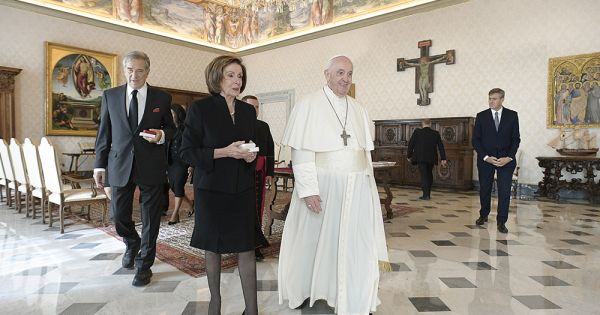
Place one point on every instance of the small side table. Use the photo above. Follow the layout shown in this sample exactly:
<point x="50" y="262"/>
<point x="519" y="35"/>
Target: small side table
<point x="75" y="159"/>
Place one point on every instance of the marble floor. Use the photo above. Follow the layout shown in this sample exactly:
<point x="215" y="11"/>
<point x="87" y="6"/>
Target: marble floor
<point x="548" y="263"/>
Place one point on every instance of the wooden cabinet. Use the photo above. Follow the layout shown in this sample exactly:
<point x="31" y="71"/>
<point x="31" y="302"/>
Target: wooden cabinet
<point x="7" y="102"/>
<point x="183" y="97"/>
<point x="391" y="144"/>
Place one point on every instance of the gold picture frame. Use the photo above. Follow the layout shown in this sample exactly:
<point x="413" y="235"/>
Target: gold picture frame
<point x="75" y="80"/>
<point x="574" y="91"/>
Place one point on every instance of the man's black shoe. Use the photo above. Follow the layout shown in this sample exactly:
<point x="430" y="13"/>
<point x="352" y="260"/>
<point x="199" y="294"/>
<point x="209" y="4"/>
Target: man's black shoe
<point x="142" y="278"/>
<point x="129" y="257"/>
<point x="259" y="255"/>
<point x="425" y="198"/>
<point x="481" y="220"/>
<point x="502" y="228"/>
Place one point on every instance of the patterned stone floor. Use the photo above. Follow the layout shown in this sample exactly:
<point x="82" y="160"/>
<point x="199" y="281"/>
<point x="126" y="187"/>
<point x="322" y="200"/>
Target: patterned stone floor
<point x="548" y="263"/>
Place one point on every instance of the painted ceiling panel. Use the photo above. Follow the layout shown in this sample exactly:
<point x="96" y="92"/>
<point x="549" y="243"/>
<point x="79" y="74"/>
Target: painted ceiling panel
<point x="232" y="25"/>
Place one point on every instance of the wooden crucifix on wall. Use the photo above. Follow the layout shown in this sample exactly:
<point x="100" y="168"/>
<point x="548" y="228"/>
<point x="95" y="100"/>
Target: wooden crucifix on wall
<point x="424" y="69"/>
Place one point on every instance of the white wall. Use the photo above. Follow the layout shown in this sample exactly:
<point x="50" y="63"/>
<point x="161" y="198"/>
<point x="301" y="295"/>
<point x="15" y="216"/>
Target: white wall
<point x="23" y="35"/>
<point x="498" y="44"/>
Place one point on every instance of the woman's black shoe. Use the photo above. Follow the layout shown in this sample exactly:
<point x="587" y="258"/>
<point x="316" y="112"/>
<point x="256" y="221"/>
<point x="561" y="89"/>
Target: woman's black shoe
<point x="191" y="212"/>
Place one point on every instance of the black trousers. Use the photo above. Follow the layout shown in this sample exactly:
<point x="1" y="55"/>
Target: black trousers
<point x="164" y="202"/>
<point x="426" y="171"/>
<point x="122" y="205"/>
<point x="503" y="184"/>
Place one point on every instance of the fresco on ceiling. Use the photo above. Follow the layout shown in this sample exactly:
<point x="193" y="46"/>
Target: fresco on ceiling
<point x="232" y="27"/>
<point x="102" y="8"/>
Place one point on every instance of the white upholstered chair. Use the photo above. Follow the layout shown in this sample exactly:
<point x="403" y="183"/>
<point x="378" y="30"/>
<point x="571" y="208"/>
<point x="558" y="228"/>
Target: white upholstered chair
<point x="66" y="198"/>
<point x="36" y="179"/>
<point x="8" y="171"/>
<point x="21" y="179"/>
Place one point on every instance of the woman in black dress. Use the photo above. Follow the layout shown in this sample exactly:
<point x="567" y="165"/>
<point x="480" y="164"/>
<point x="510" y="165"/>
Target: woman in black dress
<point x="224" y="188"/>
<point x="178" y="170"/>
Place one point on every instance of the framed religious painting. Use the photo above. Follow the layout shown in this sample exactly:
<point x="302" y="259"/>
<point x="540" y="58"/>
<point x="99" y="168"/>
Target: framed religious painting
<point x="75" y="80"/>
<point x="574" y="91"/>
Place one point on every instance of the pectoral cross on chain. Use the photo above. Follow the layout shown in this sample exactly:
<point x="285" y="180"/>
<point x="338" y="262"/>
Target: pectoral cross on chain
<point x="345" y="136"/>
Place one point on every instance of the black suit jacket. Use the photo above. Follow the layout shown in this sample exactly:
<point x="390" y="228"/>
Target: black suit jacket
<point x="264" y="141"/>
<point x="501" y="143"/>
<point x="423" y="145"/>
<point x="208" y="126"/>
<point x="117" y="144"/>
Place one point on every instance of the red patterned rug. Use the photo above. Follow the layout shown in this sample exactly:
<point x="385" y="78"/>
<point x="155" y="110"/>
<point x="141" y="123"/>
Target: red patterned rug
<point x="173" y="240"/>
<point x="191" y="260"/>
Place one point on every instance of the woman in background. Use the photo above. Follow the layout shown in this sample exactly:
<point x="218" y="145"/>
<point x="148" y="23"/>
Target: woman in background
<point x="178" y="170"/>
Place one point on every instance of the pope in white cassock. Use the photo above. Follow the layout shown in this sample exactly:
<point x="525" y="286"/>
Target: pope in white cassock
<point x="333" y="243"/>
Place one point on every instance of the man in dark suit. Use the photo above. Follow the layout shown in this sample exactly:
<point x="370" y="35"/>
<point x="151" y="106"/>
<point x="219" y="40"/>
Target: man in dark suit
<point x="265" y="168"/>
<point x="125" y="159"/>
<point x="422" y="148"/>
<point x="496" y="139"/>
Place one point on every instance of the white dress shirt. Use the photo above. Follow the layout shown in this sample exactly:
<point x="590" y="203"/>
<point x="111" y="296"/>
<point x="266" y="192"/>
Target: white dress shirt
<point x="499" y="114"/>
<point x="499" y="120"/>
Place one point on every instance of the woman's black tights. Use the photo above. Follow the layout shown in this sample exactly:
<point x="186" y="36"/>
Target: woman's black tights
<point x="247" y="269"/>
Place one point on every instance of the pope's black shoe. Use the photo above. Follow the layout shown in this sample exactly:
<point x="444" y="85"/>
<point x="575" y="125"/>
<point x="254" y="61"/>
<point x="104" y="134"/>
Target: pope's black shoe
<point x="142" y="278"/>
<point x="502" y="228"/>
<point x="481" y="220"/>
<point x="129" y="257"/>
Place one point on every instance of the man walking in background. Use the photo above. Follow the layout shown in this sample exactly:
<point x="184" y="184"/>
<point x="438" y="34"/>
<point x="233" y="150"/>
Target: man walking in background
<point x="423" y="148"/>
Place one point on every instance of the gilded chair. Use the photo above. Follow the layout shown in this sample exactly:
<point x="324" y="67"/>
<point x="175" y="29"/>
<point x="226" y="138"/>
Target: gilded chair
<point x="283" y="160"/>
<point x="65" y="198"/>
<point x="36" y="179"/>
<point x="277" y="202"/>
<point x="21" y="179"/>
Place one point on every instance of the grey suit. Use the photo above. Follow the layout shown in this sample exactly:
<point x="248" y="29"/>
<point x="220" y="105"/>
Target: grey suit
<point x="132" y="161"/>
